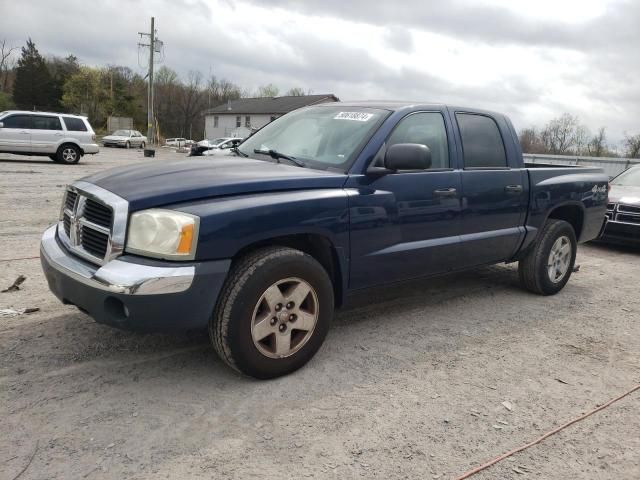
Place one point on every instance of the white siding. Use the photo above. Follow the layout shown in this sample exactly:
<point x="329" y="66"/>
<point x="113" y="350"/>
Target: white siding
<point x="227" y="124"/>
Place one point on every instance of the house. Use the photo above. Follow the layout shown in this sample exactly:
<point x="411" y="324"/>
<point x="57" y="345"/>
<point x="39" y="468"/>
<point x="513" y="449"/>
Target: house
<point x="237" y="118"/>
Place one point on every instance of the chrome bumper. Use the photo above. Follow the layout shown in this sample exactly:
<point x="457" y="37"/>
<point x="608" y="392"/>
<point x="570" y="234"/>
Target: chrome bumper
<point x="115" y="276"/>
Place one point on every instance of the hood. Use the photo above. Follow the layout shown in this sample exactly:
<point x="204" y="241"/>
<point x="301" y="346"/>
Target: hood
<point x="115" y="137"/>
<point x="629" y="195"/>
<point x="154" y="184"/>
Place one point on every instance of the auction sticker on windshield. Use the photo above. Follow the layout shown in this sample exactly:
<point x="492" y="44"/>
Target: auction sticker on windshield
<point x="356" y="116"/>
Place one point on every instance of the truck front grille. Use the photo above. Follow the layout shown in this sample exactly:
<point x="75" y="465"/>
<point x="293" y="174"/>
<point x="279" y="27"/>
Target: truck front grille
<point x="93" y="223"/>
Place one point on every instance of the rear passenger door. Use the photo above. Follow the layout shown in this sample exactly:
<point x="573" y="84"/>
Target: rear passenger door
<point x="15" y="135"/>
<point x="46" y="132"/>
<point x="493" y="191"/>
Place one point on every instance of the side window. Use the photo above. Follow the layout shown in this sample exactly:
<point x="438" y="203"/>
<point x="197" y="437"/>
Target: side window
<point x="45" y="123"/>
<point x="17" y="121"/>
<point x="426" y="129"/>
<point x="482" y="144"/>
<point x="74" y="124"/>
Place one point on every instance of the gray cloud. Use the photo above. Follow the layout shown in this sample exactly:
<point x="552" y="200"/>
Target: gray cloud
<point x="604" y="50"/>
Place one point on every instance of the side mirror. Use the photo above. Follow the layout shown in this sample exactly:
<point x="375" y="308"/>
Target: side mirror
<point x="407" y="156"/>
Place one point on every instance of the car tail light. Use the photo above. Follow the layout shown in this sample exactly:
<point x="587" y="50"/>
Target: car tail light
<point x="93" y="137"/>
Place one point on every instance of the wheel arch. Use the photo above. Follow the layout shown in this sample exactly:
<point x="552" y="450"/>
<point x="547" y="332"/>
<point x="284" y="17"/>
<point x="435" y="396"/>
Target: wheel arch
<point x="72" y="143"/>
<point x="320" y="247"/>
<point x="572" y="213"/>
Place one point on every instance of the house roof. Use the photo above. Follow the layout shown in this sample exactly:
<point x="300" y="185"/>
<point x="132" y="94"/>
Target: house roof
<point x="269" y="105"/>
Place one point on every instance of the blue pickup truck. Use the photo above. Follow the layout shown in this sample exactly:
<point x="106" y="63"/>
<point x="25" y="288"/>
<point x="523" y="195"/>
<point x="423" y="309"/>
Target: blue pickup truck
<point x="262" y="245"/>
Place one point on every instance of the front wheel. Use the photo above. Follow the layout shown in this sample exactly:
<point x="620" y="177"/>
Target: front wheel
<point x="548" y="265"/>
<point x="273" y="313"/>
<point x="142" y="145"/>
<point x="127" y="145"/>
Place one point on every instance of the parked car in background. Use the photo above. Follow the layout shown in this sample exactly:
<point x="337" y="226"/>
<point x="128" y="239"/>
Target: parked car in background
<point x="63" y="138"/>
<point x="125" y="138"/>
<point x="178" y="142"/>
<point x="623" y="209"/>
<point x="224" y="147"/>
<point x="321" y="203"/>
<point x="203" y="146"/>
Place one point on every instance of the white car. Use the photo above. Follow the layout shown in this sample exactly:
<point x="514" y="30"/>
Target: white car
<point x="63" y="138"/>
<point x="223" y="147"/>
<point x="178" y="142"/>
<point x="125" y="138"/>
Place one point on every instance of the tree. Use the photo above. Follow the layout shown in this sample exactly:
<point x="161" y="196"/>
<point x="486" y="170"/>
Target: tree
<point x="269" y="90"/>
<point x="6" y="64"/>
<point x="632" y="145"/>
<point x="61" y="69"/>
<point x="33" y="86"/>
<point x="530" y="141"/>
<point x="296" y="92"/>
<point x="5" y="102"/>
<point x="84" y="92"/>
<point x="597" y="146"/>
<point x="559" y="135"/>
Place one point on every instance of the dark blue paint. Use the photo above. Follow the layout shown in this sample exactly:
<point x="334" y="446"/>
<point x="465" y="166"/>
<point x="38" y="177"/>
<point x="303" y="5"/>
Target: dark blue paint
<point x="383" y="227"/>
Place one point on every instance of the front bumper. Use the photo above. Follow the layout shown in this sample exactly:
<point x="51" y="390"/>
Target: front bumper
<point x="621" y="233"/>
<point x="132" y="292"/>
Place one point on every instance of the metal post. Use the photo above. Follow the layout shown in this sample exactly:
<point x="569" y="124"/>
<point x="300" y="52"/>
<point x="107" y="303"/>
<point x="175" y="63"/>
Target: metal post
<point x="150" y="116"/>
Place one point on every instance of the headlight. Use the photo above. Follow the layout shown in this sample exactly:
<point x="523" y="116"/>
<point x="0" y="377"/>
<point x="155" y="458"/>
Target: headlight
<point x="163" y="234"/>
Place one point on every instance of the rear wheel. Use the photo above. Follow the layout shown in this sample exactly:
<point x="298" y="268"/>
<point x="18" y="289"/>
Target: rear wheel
<point x="142" y="145"/>
<point x="273" y="313"/>
<point x="548" y="265"/>
<point x="127" y="145"/>
<point x="68" y="154"/>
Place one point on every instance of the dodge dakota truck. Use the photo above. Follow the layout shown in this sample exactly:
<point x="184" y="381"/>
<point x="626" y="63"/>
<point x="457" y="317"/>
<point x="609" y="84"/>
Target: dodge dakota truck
<point x="262" y="245"/>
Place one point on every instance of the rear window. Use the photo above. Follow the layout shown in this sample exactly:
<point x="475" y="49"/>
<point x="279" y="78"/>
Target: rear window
<point x="482" y="145"/>
<point x="40" y="122"/>
<point x="75" y="124"/>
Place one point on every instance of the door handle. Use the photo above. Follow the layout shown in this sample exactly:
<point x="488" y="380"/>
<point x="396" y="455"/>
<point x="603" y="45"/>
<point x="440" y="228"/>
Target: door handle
<point x="513" y="189"/>
<point x="445" y="192"/>
<point x="58" y="134"/>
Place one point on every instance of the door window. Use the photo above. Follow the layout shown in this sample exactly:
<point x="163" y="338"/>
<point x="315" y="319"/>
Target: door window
<point x="40" y="122"/>
<point x="17" y="121"/>
<point x="482" y="144"/>
<point x="425" y="129"/>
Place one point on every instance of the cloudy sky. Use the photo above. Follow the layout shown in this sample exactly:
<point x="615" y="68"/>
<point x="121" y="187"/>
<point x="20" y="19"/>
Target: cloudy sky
<point x="530" y="59"/>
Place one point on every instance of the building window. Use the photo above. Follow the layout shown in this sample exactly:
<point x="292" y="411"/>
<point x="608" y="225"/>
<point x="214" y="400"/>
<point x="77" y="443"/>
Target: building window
<point x="238" y="122"/>
<point x="247" y="121"/>
<point x="215" y="121"/>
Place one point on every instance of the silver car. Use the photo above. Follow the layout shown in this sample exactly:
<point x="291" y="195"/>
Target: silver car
<point x="125" y="138"/>
<point x="63" y="138"/>
<point x="623" y="209"/>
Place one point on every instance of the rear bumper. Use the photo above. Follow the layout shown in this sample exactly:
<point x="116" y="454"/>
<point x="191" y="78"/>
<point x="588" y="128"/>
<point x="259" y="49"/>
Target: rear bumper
<point x="134" y="293"/>
<point x="90" y="148"/>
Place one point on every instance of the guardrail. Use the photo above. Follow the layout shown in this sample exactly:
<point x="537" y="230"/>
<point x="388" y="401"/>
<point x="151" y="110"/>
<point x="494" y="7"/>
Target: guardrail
<point x="612" y="166"/>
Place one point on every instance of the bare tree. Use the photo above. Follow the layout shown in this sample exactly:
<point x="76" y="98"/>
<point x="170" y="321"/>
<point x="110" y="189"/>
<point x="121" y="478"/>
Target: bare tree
<point x="559" y="136"/>
<point x="632" y="145"/>
<point x="6" y="64"/>
<point x="296" y="92"/>
<point x="269" y="90"/>
<point x="530" y="141"/>
<point x="597" y="147"/>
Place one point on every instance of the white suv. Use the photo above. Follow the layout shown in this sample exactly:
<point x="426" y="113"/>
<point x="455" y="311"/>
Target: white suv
<point x="63" y="138"/>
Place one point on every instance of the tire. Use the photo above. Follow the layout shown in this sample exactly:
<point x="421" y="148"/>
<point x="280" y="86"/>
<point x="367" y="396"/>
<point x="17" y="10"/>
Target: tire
<point x="127" y="145"/>
<point x="548" y="265"/>
<point x="142" y="145"/>
<point x="235" y="329"/>
<point x="68" y="154"/>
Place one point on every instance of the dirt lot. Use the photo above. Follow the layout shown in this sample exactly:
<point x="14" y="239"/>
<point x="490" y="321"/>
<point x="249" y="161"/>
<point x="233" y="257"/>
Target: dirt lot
<point x="410" y="383"/>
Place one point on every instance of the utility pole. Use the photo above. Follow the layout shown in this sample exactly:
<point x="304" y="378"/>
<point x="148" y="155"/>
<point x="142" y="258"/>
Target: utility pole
<point x="152" y="49"/>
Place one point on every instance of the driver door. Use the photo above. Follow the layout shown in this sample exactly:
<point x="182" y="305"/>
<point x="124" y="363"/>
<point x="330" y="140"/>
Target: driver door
<point x="406" y="224"/>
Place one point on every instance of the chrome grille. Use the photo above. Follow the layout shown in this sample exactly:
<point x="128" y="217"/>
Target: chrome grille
<point x="622" y="213"/>
<point x="629" y="208"/>
<point x="93" y="222"/>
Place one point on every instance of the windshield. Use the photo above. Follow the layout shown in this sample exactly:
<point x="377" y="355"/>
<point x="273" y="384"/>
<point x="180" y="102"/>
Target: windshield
<point x="121" y="133"/>
<point x="630" y="178"/>
<point x="320" y="136"/>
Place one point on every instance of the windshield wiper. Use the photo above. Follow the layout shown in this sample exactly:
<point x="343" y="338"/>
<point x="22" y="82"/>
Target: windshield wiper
<point x="277" y="156"/>
<point x="237" y="151"/>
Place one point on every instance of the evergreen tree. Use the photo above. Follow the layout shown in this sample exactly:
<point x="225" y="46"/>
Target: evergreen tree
<point x="33" y="86"/>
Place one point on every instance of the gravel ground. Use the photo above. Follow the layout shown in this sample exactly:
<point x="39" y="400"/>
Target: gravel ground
<point x="409" y="384"/>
